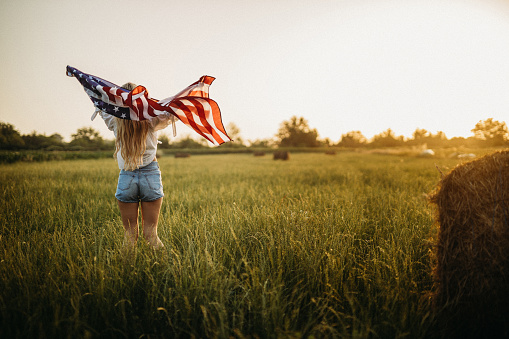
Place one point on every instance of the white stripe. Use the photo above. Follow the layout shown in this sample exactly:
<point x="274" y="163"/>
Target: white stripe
<point x="145" y="107"/>
<point x="124" y="95"/>
<point x="166" y="102"/>
<point x="137" y="96"/>
<point x="208" y="117"/>
<point x="118" y="99"/>
<point x="133" y="114"/>
<point x="195" y="117"/>
<point x="91" y="94"/>
<point x="104" y="95"/>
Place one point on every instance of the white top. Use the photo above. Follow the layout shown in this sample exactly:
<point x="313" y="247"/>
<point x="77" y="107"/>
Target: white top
<point x="155" y="124"/>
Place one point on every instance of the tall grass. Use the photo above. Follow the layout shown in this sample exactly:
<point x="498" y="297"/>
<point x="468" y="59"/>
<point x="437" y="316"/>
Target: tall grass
<point x="315" y="246"/>
<point x="9" y="157"/>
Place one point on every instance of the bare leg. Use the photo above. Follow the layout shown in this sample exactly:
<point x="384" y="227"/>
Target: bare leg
<point x="129" y="214"/>
<point x="150" y="217"/>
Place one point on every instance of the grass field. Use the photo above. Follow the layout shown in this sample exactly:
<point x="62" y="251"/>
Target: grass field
<point x="317" y="246"/>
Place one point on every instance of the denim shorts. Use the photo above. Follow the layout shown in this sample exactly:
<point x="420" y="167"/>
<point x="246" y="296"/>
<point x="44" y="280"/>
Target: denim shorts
<point x="142" y="184"/>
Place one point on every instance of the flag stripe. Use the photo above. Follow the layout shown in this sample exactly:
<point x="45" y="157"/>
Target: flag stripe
<point x="190" y="118"/>
<point x="202" y="115"/>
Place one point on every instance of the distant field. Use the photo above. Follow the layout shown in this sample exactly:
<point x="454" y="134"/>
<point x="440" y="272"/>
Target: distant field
<point x="320" y="245"/>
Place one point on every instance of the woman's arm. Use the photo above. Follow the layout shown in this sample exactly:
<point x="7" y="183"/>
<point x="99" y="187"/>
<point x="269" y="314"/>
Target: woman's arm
<point x="109" y="120"/>
<point x="161" y="121"/>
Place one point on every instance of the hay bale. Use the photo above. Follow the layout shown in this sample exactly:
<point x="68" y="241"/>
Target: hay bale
<point x="471" y="257"/>
<point x="281" y="155"/>
<point x="258" y="154"/>
<point x="466" y="156"/>
<point x="427" y="153"/>
<point x="330" y="152"/>
<point x="182" y="155"/>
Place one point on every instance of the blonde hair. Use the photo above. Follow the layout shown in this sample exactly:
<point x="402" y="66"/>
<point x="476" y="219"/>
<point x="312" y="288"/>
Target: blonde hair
<point x="131" y="139"/>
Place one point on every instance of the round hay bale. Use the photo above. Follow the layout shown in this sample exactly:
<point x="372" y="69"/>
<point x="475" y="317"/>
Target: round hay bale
<point x="281" y="155"/>
<point x="258" y="153"/>
<point x="427" y="153"/>
<point x="471" y="256"/>
<point x="182" y="155"/>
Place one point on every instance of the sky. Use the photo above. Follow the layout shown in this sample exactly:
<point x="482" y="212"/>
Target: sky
<point x="343" y="65"/>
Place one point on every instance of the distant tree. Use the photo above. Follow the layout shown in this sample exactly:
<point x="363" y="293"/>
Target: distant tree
<point x="262" y="143"/>
<point x="437" y="140"/>
<point x="440" y="136"/>
<point x="352" y="139"/>
<point x="420" y="134"/>
<point x="87" y="137"/>
<point x="387" y="139"/>
<point x="326" y="142"/>
<point x="460" y="141"/>
<point x="55" y="139"/>
<point x="419" y="137"/>
<point x="10" y="138"/>
<point x="189" y="142"/>
<point x="165" y="141"/>
<point x="297" y="133"/>
<point x="39" y="141"/>
<point x="234" y="133"/>
<point x="494" y="133"/>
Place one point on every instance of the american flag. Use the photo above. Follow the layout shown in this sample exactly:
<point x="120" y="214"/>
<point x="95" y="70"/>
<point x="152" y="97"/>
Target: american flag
<point x="192" y="106"/>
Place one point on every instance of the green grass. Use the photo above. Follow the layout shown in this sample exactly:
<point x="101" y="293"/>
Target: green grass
<point x="9" y="157"/>
<point x="316" y="246"/>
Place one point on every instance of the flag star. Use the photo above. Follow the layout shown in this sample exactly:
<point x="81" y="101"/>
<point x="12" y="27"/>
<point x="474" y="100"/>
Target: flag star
<point x="123" y="115"/>
<point x="116" y="109"/>
<point x="81" y="75"/>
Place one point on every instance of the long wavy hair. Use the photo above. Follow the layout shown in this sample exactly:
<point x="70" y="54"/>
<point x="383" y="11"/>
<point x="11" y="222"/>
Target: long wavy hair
<point x="131" y="139"/>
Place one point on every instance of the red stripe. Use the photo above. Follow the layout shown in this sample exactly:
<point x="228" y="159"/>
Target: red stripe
<point x="187" y="111"/>
<point x="207" y="79"/>
<point x="111" y="97"/>
<point x="139" y="109"/>
<point x="190" y="112"/>
<point x="217" y="123"/>
<point x="151" y="110"/>
<point x="204" y="114"/>
<point x="129" y="101"/>
<point x="154" y="106"/>
<point x="134" y="105"/>
<point x="199" y="110"/>
<point x="119" y="99"/>
<point x="216" y="114"/>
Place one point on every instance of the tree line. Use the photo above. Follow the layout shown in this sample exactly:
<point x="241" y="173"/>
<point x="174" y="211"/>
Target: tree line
<point x="486" y="133"/>
<point x="294" y="132"/>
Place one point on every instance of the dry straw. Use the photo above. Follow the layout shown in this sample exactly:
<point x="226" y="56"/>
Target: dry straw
<point x="281" y="155"/>
<point x="471" y="257"/>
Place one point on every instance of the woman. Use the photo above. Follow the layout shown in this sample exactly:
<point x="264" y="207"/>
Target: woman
<point x="139" y="182"/>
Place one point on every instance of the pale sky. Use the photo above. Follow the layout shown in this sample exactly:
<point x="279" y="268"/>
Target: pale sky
<point x="343" y="65"/>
